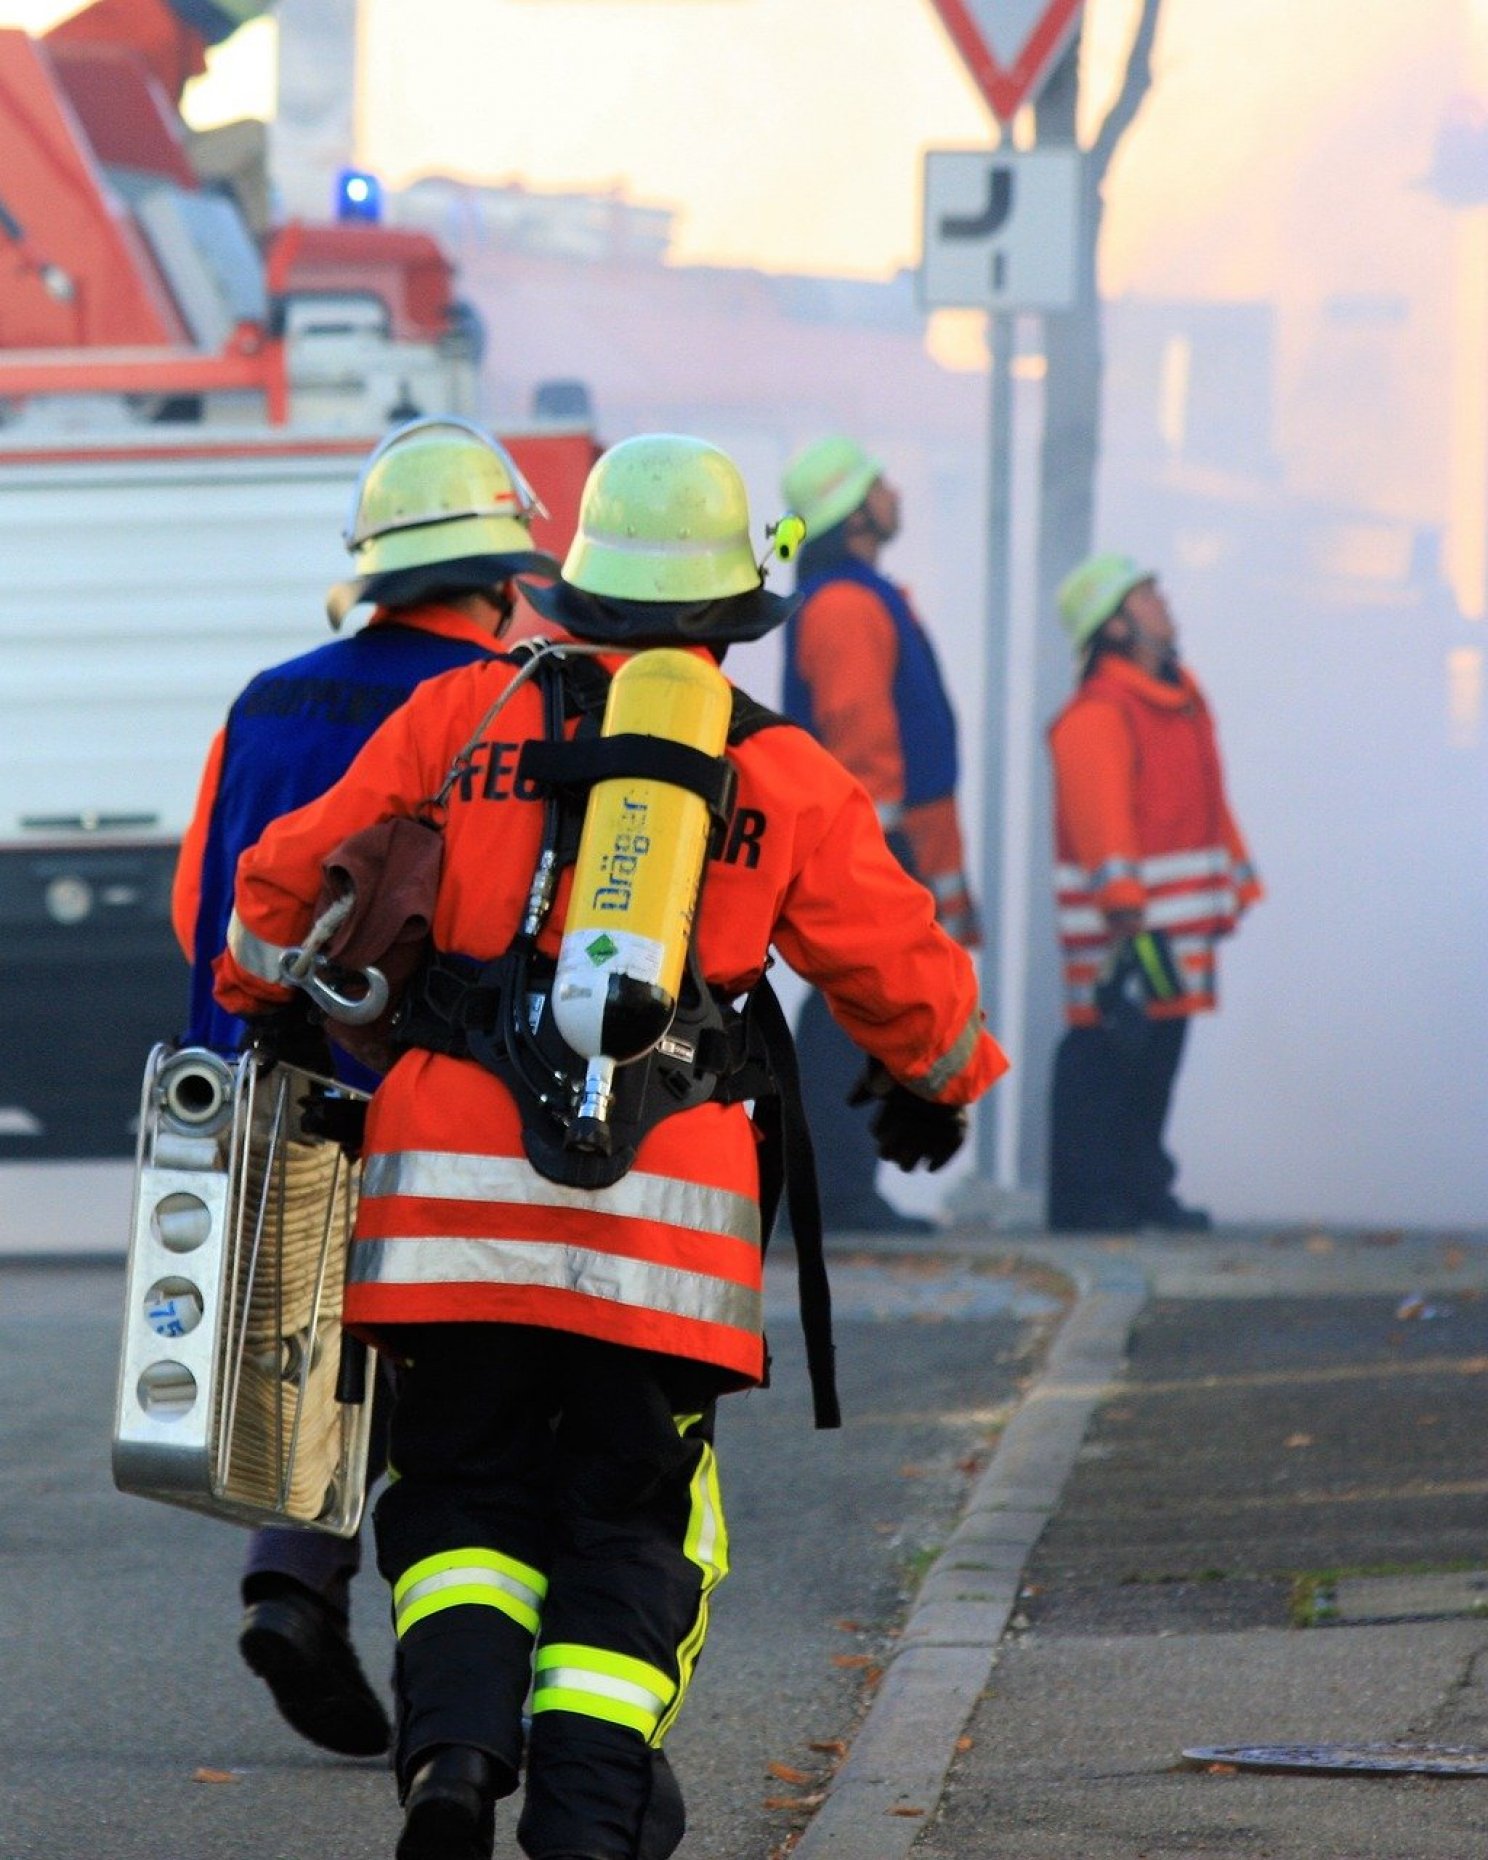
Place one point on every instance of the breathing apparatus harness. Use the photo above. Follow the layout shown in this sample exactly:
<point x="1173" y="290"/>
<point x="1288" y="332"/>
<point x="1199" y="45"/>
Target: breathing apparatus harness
<point x="499" y="1013"/>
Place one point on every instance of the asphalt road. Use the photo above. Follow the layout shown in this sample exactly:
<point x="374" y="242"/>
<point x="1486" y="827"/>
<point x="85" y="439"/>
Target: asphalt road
<point x="120" y="1676"/>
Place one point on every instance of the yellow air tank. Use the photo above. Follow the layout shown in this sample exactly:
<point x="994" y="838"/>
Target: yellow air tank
<point x="635" y="886"/>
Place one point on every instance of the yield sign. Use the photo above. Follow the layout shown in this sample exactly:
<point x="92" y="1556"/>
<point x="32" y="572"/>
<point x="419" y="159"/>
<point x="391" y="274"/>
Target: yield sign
<point x="1008" y="45"/>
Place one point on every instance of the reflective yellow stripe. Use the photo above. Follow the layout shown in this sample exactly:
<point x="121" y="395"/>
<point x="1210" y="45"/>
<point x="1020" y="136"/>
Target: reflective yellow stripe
<point x="952" y="1062"/>
<point x="462" y="1578"/>
<point x="706" y="1544"/>
<point x="596" y="1683"/>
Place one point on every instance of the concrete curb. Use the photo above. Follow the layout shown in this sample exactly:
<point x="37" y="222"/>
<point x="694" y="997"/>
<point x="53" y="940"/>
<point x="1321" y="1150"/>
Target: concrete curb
<point x="892" y="1779"/>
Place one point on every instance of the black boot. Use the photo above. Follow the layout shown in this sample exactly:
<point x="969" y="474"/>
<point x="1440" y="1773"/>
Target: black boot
<point x="450" y="1813"/>
<point x="298" y="1645"/>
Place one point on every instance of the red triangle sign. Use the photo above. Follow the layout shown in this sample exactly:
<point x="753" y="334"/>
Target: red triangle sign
<point x="1009" y="46"/>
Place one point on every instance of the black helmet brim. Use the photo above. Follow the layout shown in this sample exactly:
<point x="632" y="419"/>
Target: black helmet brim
<point x="470" y="574"/>
<point x="731" y="621"/>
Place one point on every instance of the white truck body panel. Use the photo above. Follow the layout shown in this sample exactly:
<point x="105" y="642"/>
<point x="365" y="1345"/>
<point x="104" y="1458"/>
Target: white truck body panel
<point x="143" y="586"/>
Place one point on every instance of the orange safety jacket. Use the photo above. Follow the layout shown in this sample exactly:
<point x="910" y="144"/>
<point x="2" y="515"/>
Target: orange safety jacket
<point x="453" y="1222"/>
<point x="846" y="651"/>
<point x="1142" y="823"/>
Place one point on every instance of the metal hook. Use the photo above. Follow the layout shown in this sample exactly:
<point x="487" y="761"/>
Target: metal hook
<point x="350" y="1010"/>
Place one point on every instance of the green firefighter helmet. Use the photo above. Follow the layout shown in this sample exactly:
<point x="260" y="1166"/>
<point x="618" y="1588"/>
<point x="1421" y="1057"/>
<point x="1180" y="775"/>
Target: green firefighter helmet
<point x="1090" y="594"/>
<point x="440" y="507"/>
<point x="662" y="551"/>
<point x="827" y="481"/>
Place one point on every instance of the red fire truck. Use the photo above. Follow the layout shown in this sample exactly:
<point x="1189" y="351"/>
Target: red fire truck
<point x="184" y="406"/>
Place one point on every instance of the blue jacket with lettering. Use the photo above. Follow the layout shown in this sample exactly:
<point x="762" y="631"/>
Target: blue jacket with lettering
<point x="292" y="732"/>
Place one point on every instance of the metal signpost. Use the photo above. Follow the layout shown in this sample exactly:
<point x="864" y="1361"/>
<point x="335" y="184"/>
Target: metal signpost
<point x="1001" y="234"/>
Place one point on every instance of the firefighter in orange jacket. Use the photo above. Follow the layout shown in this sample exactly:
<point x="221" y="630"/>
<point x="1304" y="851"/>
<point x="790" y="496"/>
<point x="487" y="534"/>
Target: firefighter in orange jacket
<point x="565" y="1314"/>
<point x="862" y="675"/>
<point x="1152" y="872"/>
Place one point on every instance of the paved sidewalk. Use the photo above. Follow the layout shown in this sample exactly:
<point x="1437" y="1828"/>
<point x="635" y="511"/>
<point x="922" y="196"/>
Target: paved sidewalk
<point x="1296" y="1438"/>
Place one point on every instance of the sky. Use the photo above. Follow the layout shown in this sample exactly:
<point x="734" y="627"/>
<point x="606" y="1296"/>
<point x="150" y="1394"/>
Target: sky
<point x="747" y="116"/>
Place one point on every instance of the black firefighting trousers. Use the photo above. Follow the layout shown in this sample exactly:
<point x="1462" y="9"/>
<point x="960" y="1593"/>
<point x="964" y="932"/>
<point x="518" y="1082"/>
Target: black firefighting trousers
<point x="553" y="1518"/>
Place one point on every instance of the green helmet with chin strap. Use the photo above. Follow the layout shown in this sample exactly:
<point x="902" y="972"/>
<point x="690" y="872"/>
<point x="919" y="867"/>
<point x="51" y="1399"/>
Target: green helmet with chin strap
<point x="827" y="481"/>
<point x="662" y="551"/>
<point x="1092" y="593"/>
<point x="439" y="505"/>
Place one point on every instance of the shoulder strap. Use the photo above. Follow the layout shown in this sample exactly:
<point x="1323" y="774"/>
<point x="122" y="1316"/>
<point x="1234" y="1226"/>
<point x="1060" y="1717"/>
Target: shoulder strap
<point x="788" y="1161"/>
<point x="750" y="717"/>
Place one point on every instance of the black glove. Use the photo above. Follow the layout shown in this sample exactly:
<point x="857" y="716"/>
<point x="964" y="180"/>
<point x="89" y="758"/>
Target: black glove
<point x="908" y="1130"/>
<point x="295" y="1034"/>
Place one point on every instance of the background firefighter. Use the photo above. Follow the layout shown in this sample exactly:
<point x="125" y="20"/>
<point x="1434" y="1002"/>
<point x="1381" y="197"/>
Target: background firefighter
<point x="1152" y="872"/>
<point x="557" y="1505"/>
<point x="438" y="528"/>
<point x="862" y="676"/>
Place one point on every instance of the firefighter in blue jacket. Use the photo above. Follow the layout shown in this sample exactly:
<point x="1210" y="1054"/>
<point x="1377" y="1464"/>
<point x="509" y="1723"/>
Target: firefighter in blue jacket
<point x="439" y="527"/>
<point x="862" y="676"/>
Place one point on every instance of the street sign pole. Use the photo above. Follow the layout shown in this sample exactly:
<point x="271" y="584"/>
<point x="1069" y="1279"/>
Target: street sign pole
<point x="990" y="1140"/>
<point x="1001" y="234"/>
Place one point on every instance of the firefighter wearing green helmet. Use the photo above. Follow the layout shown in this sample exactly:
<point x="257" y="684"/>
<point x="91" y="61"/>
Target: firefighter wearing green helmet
<point x="1152" y="871"/>
<point x="862" y="675"/>
<point x="565" y="1310"/>
<point x="438" y="529"/>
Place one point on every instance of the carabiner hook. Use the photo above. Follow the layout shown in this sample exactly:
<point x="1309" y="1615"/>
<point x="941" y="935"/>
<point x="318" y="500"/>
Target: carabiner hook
<point x="350" y="1010"/>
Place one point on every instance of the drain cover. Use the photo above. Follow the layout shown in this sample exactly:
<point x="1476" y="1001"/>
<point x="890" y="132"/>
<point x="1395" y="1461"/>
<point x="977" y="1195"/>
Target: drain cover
<point x="1349" y="1759"/>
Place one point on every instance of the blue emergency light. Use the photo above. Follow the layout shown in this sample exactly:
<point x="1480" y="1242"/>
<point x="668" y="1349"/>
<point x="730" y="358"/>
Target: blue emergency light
<point x="358" y="195"/>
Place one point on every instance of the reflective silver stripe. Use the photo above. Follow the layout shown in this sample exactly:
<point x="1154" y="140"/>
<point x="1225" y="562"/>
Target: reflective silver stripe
<point x="947" y="885"/>
<point x="454" y="1175"/>
<point x="252" y="952"/>
<point x="1243" y="873"/>
<point x="890" y="813"/>
<point x="557" y="1265"/>
<point x="951" y="1063"/>
<point x="601" y="1685"/>
<point x="1112" y="872"/>
<point x="1174" y="868"/>
<point x="1075" y="878"/>
<point x="1188" y="907"/>
<point x="475" y="1577"/>
<point x="1081" y="920"/>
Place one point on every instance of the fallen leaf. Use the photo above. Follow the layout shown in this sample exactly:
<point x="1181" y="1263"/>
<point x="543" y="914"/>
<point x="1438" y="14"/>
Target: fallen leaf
<point x="872" y="1677"/>
<point x="829" y="1746"/>
<point x="782" y="1772"/>
<point x="911" y="1472"/>
<point x="1473" y="1366"/>
<point x="792" y="1803"/>
<point x="217" y="1776"/>
<point x="1453" y="1257"/>
<point x="852" y="1659"/>
<point x="1320" y="1243"/>
<point x="849" y="1627"/>
<point x="1298" y="1440"/>
<point x="1221" y="1769"/>
<point x="971" y="1465"/>
<point x="909" y="1814"/>
<point x="966" y="1743"/>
